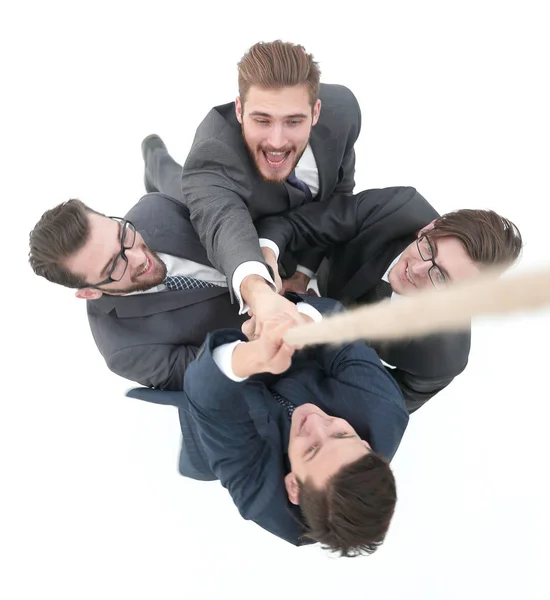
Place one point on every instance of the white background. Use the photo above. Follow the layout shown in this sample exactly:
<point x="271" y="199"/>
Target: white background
<point x="455" y="101"/>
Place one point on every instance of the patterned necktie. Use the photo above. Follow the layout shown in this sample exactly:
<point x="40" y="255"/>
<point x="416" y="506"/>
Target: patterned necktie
<point x="286" y="404"/>
<point x="299" y="184"/>
<point x="182" y="282"/>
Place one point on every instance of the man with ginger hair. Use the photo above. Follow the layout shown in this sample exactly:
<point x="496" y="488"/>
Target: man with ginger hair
<point x="285" y="141"/>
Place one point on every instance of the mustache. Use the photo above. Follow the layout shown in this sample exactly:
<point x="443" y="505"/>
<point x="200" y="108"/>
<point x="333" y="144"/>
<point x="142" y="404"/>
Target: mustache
<point x="272" y="149"/>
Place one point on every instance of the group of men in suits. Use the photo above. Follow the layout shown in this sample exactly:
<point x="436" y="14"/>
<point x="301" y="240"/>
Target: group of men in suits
<point x="301" y="439"/>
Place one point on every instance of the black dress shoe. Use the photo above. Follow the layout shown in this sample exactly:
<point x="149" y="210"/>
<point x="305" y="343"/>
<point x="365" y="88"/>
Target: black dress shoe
<point x="150" y="143"/>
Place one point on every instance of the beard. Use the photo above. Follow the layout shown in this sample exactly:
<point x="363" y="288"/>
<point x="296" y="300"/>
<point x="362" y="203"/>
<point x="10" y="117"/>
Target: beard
<point x="253" y="152"/>
<point x="156" y="278"/>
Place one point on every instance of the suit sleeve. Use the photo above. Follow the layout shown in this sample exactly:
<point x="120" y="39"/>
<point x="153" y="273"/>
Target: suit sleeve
<point x="418" y="390"/>
<point x="314" y="225"/>
<point x="359" y="366"/>
<point x="423" y="367"/>
<point x="214" y="189"/>
<point x="336" y="221"/>
<point x="238" y="456"/>
<point x="161" y="366"/>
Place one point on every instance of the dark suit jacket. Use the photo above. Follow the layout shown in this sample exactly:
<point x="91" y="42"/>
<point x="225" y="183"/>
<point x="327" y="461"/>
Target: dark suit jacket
<point x="238" y="433"/>
<point x="225" y="193"/>
<point x="362" y="235"/>
<point x="150" y="338"/>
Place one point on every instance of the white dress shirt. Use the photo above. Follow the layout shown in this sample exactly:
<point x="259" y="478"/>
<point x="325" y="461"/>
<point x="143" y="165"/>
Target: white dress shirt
<point x="387" y="279"/>
<point x="183" y="266"/>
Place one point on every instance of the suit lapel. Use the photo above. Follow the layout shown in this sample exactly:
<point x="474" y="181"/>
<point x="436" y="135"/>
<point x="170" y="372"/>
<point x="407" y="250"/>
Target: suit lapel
<point x="370" y="273"/>
<point x="142" y="305"/>
<point x="295" y="196"/>
<point x="324" y="149"/>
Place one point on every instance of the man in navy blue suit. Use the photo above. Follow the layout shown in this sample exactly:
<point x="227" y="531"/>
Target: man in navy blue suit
<point x="301" y="439"/>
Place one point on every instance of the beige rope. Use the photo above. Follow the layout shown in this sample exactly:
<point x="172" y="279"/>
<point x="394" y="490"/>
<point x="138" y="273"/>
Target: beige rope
<point x="430" y="311"/>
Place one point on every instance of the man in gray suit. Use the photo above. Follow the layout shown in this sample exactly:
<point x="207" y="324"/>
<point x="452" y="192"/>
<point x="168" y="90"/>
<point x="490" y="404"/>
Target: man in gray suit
<point x="152" y="294"/>
<point x="285" y="141"/>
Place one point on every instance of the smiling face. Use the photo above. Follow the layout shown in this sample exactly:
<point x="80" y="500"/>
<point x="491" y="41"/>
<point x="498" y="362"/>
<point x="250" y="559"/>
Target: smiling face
<point x="411" y="272"/>
<point x="95" y="259"/>
<point x="319" y="446"/>
<point x="276" y="125"/>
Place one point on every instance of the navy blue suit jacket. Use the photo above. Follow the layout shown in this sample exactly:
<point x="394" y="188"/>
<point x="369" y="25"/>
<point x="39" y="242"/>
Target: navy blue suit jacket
<point x="238" y="433"/>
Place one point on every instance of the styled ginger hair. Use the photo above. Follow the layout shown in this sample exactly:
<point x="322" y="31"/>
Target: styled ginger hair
<point x="275" y="65"/>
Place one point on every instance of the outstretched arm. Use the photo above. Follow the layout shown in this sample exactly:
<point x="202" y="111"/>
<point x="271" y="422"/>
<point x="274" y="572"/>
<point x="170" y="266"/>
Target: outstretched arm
<point x="336" y="221"/>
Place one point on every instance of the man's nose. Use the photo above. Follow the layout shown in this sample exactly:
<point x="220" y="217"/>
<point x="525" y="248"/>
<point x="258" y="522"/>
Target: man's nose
<point x="318" y="426"/>
<point x="420" y="268"/>
<point x="136" y="256"/>
<point x="277" y="137"/>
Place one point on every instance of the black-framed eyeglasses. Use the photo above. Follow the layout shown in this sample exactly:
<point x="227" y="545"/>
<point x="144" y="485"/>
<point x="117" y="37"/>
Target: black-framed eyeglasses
<point x="426" y="251"/>
<point x="120" y="264"/>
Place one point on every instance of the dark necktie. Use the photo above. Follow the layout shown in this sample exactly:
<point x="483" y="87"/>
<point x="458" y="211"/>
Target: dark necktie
<point x="182" y="282"/>
<point x="382" y="291"/>
<point x="299" y="184"/>
<point x="286" y="404"/>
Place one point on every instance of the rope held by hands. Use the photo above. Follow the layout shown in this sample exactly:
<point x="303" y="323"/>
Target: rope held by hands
<point x="431" y="311"/>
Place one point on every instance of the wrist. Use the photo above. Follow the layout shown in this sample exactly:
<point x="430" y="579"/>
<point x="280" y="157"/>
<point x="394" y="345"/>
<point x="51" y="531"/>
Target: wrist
<point x="243" y="360"/>
<point x="253" y="287"/>
<point x="269" y="255"/>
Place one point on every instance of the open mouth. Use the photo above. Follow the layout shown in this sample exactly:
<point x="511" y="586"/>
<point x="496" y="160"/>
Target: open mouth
<point x="276" y="160"/>
<point x="147" y="267"/>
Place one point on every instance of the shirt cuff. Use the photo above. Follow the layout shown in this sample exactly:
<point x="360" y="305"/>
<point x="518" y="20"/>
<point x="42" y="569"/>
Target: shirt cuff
<point x="307" y="309"/>
<point x="250" y="267"/>
<point x="305" y="271"/>
<point x="265" y="243"/>
<point x="223" y="356"/>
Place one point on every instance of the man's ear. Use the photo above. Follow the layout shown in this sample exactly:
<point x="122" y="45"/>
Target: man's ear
<point x="239" y="110"/>
<point x="316" y="112"/>
<point x="292" y="488"/>
<point x="88" y="293"/>
<point x="426" y="228"/>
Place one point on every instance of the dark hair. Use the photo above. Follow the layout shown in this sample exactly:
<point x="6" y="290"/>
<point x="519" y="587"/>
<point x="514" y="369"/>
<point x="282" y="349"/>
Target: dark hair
<point x="488" y="238"/>
<point x="274" y="65"/>
<point x="352" y="513"/>
<point x="61" y="231"/>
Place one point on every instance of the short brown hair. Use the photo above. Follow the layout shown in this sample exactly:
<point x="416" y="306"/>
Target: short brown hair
<point x="274" y="65"/>
<point x="352" y="513"/>
<point x="488" y="238"/>
<point x="61" y="231"/>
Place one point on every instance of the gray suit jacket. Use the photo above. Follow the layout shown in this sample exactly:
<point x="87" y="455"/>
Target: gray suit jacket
<point x="362" y="235"/>
<point x="150" y="338"/>
<point x="225" y="193"/>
